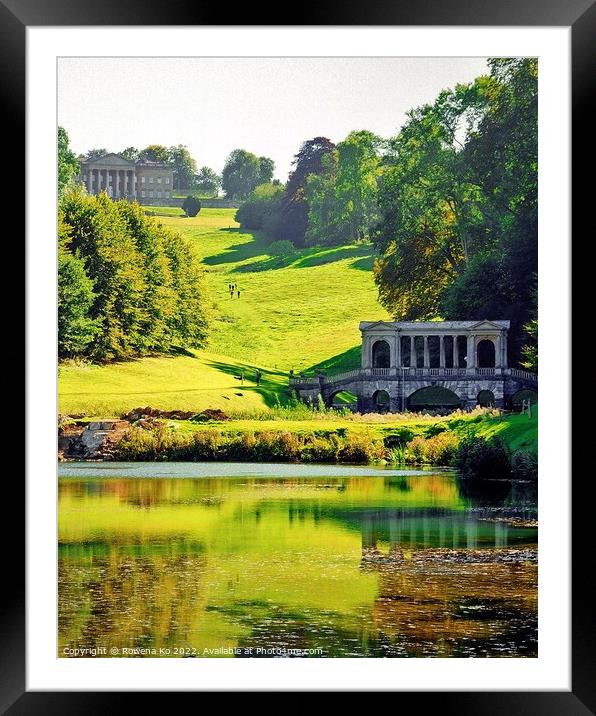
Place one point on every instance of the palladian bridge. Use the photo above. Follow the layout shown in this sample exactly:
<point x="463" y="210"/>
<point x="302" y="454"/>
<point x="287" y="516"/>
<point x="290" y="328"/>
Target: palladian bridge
<point x="418" y="364"/>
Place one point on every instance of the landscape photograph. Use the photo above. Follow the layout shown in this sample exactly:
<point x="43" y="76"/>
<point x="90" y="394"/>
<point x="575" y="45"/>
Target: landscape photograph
<point x="297" y="357"/>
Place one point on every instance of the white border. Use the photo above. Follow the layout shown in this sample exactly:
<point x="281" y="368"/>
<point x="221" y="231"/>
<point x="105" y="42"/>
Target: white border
<point x="551" y="670"/>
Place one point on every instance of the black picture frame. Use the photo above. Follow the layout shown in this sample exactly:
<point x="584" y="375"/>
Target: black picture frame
<point x="580" y="16"/>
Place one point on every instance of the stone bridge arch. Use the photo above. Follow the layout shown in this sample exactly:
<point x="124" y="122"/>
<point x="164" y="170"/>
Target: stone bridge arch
<point x="434" y="397"/>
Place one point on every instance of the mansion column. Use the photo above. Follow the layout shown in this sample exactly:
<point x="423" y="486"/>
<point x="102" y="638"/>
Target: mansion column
<point x="90" y="181"/>
<point x="98" y="180"/>
<point x="413" y="361"/>
<point x="441" y="351"/>
<point x="426" y="353"/>
<point x="126" y="173"/>
<point x="397" y="350"/>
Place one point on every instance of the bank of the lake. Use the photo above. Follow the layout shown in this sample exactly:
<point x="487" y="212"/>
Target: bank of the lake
<point x="509" y="441"/>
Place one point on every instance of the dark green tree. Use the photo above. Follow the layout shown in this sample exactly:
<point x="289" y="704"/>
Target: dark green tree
<point x="293" y="218"/>
<point x="191" y="206"/>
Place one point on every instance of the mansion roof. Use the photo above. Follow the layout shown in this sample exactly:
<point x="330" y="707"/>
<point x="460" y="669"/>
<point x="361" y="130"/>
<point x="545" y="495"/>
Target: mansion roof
<point x="117" y="160"/>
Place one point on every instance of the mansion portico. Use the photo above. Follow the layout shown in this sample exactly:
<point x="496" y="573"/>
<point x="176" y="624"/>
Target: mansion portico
<point x="124" y="179"/>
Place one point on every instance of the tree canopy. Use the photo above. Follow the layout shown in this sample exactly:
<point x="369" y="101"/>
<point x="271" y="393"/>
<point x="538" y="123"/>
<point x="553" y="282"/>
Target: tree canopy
<point x="127" y="285"/>
<point x="243" y="171"/>
<point x="68" y="164"/>
<point x="458" y="204"/>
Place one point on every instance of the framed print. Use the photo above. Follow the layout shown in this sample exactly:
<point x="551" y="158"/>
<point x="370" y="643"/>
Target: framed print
<point x="284" y="400"/>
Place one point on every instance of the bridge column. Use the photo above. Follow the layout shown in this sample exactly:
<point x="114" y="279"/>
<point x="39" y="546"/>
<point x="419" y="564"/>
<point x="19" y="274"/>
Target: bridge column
<point x="471" y="362"/>
<point x="426" y="353"/>
<point x="413" y="363"/>
<point x="455" y="352"/>
<point x="397" y="350"/>
<point x="441" y="352"/>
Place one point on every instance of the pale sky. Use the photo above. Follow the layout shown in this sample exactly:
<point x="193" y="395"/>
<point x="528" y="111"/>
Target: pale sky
<point x="268" y="106"/>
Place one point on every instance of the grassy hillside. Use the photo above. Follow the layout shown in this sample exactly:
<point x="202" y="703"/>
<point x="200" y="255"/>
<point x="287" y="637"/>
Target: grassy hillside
<point x="293" y="312"/>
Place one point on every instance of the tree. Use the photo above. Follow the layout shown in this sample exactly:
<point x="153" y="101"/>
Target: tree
<point x="130" y="153"/>
<point x="207" y="181"/>
<point x="155" y="153"/>
<point x="148" y="288"/>
<point x="95" y="154"/>
<point x="191" y="206"/>
<point x="342" y="199"/>
<point x="458" y="202"/>
<point x="266" y="169"/>
<point x="240" y="174"/>
<point x="68" y="164"/>
<point x="184" y="167"/>
<point x="76" y="328"/>
<point x="262" y="203"/>
<point x="293" y="219"/>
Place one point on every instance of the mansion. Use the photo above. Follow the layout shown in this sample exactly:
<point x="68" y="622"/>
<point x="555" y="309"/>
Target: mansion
<point x="124" y="179"/>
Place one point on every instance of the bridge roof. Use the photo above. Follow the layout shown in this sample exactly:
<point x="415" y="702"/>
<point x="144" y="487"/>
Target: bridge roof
<point x="433" y="325"/>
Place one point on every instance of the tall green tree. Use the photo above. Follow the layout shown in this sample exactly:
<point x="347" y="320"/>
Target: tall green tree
<point x="68" y="164"/>
<point x="240" y="174"/>
<point x="148" y="289"/>
<point x="76" y="328"/>
<point x="207" y="181"/>
<point x="184" y="167"/>
<point x="266" y="169"/>
<point x="343" y="198"/>
<point x="458" y="204"/>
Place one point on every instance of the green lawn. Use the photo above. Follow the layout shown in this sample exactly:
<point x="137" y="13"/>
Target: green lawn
<point x="295" y="312"/>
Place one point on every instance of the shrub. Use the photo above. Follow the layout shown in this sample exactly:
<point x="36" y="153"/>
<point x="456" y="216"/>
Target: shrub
<point x="478" y="458"/>
<point x="360" y="449"/>
<point x="438" y="449"/>
<point x="281" y="248"/>
<point x="322" y="448"/>
<point x="191" y="206"/>
<point x="524" y="464"/>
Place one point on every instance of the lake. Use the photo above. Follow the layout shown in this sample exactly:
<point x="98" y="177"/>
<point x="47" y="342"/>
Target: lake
<point x="173" y="560"/>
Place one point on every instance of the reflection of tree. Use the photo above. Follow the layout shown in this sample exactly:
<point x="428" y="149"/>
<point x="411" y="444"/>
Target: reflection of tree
<point x="445" y="609"/>
<point x="129" y="601"/>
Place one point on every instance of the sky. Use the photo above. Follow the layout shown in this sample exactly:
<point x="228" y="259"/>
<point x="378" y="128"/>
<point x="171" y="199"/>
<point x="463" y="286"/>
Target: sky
<point x="268" y="106"/>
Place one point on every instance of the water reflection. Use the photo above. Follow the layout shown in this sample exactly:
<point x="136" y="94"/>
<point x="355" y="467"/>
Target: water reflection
<point x="340" y="566"/>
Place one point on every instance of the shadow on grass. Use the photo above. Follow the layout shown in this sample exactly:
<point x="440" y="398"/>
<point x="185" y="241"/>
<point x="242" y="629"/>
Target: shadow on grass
<point x="310" y="257"/>
<point x="318" y="256"/>
<point x="348" y="360"/>
<point x="238" y="252"/>
<point x="272" y="391"/>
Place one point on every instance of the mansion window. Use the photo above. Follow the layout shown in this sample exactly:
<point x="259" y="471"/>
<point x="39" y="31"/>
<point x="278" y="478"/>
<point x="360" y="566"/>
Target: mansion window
<point x="167" y="180"/>
<point x="150" y="180"/>
<point x="142" y="180"/>
<point x="159" y="180"/>
<point x="159" y="195"/>
<point x="143" y="194"/>
<point x="167" y="194"/>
